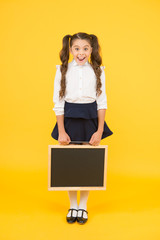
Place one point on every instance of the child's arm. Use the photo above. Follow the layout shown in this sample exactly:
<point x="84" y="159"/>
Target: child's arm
<point x="58" y="103"/>
<point x="102" y="99"/>
<point x="63" y="137"/>
<point x="96" y="137"/>
<point x="101" y="108"/>
<point x="60" y="123"/>
<point x="101" y="118"/>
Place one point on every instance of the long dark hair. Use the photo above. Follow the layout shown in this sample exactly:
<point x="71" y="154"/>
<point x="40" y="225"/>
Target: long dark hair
<point x="95" y="60"/>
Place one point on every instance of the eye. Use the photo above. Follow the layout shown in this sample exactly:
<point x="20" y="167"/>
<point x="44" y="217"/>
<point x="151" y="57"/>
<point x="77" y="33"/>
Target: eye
<point x="86" y="49"/>
<point x="76" y="49"/>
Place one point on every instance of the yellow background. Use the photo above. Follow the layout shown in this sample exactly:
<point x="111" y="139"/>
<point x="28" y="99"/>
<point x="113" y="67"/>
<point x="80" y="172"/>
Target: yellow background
<point x="31" y="35"/>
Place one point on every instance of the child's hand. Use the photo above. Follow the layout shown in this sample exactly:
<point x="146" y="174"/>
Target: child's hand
<point x="96" y="138"/>
<point x="64" y="138"/>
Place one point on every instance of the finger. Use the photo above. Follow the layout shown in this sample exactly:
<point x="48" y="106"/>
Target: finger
<point x="63" y="143"/>
<point x="69" y="140"/>
<point x="93" y="144"/>
<point x="91" y="140"/>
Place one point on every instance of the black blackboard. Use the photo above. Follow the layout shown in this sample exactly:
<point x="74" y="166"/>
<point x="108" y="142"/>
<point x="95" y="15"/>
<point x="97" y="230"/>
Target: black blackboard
<point x="81" y="167"/>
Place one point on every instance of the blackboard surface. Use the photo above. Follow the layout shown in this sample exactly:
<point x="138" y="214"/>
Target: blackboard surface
<point x="77" y="167"/>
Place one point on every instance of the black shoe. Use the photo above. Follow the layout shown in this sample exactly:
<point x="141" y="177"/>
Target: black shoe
<point x="71" y="219"/>
<point x="82" y="220"/>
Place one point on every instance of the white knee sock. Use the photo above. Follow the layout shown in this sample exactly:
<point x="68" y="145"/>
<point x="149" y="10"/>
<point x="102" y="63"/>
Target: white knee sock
<point x="83" y="203"/>
<point x="73" y="202"/>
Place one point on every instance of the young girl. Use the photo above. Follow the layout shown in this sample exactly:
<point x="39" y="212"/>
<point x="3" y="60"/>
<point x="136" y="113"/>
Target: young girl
<point x="80" y="103"/>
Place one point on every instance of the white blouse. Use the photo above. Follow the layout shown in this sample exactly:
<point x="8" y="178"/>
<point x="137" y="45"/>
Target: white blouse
<point x="80" y="87"/>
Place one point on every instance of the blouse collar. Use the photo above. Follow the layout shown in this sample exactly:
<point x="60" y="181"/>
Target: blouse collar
<point x="76" y="64"/>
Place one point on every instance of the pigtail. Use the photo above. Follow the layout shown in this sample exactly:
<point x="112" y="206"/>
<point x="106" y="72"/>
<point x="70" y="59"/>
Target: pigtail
<point x="96" y="62"/>
<point x="64" y="56"/>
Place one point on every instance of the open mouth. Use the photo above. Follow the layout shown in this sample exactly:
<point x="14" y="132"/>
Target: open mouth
<point x="81" y="59"/>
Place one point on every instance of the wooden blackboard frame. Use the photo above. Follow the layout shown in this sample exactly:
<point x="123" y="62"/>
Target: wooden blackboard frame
<point x="77" y="146"/>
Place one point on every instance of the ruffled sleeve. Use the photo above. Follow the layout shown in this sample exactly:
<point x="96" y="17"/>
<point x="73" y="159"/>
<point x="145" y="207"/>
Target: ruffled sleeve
<point x="58" y="103"/>
<point x="102" y="99"/>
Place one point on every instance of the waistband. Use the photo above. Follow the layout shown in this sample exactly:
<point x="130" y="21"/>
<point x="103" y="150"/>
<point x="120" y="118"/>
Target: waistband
<point x="80" y="110"/>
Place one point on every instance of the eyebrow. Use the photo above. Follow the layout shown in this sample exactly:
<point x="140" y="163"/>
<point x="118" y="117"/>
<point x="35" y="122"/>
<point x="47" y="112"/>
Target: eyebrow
<point x="78" y="46"/>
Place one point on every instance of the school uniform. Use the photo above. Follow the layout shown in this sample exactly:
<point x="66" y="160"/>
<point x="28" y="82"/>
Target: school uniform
<point x="80" y="104"/>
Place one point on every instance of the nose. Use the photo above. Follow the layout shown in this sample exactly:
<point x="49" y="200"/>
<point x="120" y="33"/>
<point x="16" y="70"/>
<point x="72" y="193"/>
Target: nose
<point x="81" y="52"/>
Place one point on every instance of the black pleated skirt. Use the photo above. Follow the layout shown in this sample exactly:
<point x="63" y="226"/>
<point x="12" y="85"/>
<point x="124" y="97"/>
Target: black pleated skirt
<point x="80" y="122"/>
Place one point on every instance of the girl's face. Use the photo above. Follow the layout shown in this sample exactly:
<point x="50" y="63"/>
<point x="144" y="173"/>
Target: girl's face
<point x="81" y="50"/>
